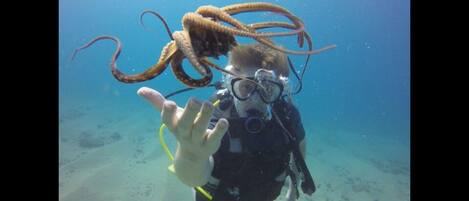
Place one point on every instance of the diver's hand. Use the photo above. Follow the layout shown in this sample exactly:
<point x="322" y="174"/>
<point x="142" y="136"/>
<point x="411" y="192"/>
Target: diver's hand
<point x="195" y="140"/>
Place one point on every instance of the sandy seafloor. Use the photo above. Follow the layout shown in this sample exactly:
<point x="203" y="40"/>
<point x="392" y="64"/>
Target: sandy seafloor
<point x="113" y="154"/>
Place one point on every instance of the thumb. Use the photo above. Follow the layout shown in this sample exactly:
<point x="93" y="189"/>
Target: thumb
<point x="153" y="96"/>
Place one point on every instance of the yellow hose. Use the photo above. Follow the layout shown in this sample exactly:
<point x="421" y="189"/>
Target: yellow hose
<point x="171" y="158"/>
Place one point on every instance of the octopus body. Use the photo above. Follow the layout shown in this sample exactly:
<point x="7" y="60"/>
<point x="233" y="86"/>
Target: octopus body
<point x="204" y="35"/>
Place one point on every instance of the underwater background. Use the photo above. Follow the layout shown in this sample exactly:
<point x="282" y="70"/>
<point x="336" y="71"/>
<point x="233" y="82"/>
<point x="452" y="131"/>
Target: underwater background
<point x="355" y="102"/>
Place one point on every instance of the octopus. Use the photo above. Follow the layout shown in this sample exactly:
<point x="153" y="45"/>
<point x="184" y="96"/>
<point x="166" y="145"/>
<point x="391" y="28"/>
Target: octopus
<point x="204" y="35"/>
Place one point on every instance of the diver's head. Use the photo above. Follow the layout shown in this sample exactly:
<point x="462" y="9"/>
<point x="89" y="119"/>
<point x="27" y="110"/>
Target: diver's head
<point x="266" y="71"/>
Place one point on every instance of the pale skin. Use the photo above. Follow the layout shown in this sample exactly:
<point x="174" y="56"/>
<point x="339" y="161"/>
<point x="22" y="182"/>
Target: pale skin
<point x="196" y="142"/>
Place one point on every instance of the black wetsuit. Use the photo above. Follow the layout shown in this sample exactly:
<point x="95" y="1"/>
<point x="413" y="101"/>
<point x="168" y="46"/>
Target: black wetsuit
<point x="251" y="171"/>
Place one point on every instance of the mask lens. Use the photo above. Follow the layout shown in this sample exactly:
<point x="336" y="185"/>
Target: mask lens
<point x="243" y="88"/>
<point x="269" y="90"/>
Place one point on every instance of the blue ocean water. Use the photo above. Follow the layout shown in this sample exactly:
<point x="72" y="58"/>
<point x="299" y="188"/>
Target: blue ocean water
<point x="355" y="102"/>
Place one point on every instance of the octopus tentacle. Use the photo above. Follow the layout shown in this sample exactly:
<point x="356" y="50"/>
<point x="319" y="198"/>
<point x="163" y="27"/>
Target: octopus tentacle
<point x="166" y="55"/>
<point x="238" y="8"/>
<point x="183" y="42"/>
<point x="195" y="19"/>
<point x="309" y="52"/>
<point x="160" y="17"/>
<point x="207" y="62"/>
<point x="262" y="25"/>
<point x="191" y="19"/>
<point x="262" y="6"/>
<point x="212" y="11"/>
<point x="181" y="75"/>
<point x="150" y="73"/>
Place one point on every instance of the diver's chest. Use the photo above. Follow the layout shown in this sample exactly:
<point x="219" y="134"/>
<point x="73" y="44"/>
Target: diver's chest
<point x="271" y="140"/>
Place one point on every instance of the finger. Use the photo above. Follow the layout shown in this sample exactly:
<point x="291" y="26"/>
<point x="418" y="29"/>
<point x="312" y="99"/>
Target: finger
<point x="153" y="96"/>
<point x="188" y="115"/>
<point x="218" y="132"/>
<point x="168" y="115"/>
<point x="201" y="123"/>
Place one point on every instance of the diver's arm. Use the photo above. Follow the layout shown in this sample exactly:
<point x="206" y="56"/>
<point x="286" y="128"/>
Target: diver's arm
<point x="196" y="143"/>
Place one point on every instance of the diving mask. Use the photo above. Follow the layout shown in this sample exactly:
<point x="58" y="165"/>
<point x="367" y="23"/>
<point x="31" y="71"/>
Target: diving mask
<point x="264" y="82"/>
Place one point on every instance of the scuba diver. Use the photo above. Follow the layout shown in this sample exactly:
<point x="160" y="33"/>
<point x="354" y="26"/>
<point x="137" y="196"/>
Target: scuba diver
<point x="245" y="147"/>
